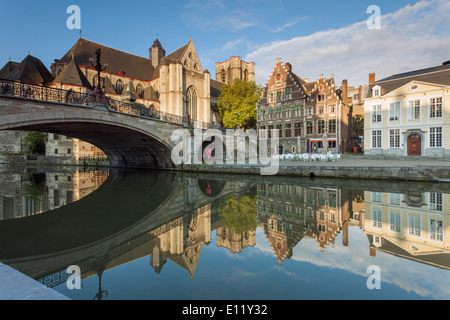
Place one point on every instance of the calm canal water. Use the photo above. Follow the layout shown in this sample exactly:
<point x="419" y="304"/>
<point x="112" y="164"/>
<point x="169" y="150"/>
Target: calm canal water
<point x="168" y="236"/>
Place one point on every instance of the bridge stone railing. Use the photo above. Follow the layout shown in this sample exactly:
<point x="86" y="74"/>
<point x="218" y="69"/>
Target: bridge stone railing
<point x="44" y="93"/>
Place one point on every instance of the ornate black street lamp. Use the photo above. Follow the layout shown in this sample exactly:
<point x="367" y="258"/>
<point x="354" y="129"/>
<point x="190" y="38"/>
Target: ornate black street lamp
<point x="98" y="66"/>
<point x="98" y="95"/>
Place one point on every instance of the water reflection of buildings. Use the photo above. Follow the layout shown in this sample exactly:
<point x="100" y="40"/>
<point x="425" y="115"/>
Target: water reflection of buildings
<point x="183" y="224"/>
<point x="236" y="242"/>
<point x="412" y="226"/>
<point x="183" y="244"/>
<point x="288" y="214"/>
<point x="23" y="195"/>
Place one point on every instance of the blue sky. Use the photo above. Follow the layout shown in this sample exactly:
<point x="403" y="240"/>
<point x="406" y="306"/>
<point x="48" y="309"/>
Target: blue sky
<point x="316" y="37"/>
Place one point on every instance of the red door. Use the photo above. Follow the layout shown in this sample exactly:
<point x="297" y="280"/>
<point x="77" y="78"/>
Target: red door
<point x="414" y="145"/>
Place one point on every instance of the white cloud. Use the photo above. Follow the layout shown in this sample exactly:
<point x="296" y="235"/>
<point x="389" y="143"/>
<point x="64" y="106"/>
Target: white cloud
<point x="416" y="36"/>
<point x="289" y="24"/>
<point x="232" y="44"/>
<point x="421" y="279"/>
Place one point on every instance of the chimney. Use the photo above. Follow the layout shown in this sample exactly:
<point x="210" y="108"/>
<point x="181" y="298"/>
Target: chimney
<point x="372" y="252"/>
<point x="345" y="91"/>
<point x="278" y="60"/>
<point x="345" y="234"/>
<point x="360" y="95"/>
<point x="371" y="78"/>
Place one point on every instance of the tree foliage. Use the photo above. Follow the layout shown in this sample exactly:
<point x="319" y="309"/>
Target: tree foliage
<point x="239" y="214"/>
<point x="358" y="124"/>
<point x="35" y="141"/>
<point x="239" y="97"/>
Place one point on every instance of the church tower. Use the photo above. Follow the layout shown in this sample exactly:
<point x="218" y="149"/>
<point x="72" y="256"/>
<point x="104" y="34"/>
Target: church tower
<point x="156" y="53"/>
<point x="234" y="68"/>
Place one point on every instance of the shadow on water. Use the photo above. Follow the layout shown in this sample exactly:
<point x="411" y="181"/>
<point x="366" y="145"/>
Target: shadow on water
<point x="120" y="202"/>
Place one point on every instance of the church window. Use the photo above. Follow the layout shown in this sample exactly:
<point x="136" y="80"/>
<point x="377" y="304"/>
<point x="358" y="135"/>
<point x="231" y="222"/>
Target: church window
<point x="119" y="86"/>
<point x="191" y="103"/>
<point x="95" y="82"/>
<point x="224" y="76"/>
<point x="140" y="90"/>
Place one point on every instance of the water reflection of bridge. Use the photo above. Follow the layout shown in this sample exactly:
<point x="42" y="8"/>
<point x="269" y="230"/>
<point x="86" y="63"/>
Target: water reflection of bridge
<point x="172" y="217"/>
<point x="127" y="214"/>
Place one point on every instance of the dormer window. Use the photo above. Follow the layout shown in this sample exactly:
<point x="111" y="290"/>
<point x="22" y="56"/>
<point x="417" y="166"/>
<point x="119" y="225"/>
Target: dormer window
<point x="376" y="91"/>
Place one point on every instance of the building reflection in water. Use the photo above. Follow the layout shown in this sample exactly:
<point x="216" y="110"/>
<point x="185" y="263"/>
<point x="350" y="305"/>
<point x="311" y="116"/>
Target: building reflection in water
<point x="27" y="194"/>
<point x="413" y="226"/>
<point x="288" y="214"/>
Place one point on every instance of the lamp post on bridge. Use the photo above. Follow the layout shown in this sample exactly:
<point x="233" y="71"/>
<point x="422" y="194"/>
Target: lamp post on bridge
<point x="98" y="95"/>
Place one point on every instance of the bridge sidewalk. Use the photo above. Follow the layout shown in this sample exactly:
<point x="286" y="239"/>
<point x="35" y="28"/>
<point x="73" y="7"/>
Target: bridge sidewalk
<point x="14" y="285"/>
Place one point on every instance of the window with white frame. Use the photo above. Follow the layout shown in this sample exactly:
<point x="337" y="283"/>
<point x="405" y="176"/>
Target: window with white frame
<point x="332" y="108"/>
<point x="394" y="138"/>
<point x="321" y="109"/>
<point x="376" y="139"/>
<point x="376" y="91"/>
<point x="435" y="137"/>
<point x="394" y="111"/>
<point x="414" y="110"/>
<point x="394" y="221"/>
<point x="377" y="218"/>
<point x="395" y="198"/>
<point x="435" y="201"/>
<point x="414" y="225"/>
<point x="377" y="197"/>
<point x="436" y="229"/>
<point x="436" y="107"/>
<point x="332" y="126"/>
<point x="376" y="113"/>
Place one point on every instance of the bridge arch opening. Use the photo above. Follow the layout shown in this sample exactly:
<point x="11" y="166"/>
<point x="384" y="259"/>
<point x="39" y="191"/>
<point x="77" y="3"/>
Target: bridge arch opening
<point x="124" y="147"/>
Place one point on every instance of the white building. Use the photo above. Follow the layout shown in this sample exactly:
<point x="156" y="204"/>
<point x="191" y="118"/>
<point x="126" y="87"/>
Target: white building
<point x="408" y="114"/>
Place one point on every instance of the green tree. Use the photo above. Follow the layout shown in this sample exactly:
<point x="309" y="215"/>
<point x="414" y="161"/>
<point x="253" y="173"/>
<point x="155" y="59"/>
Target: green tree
<point x="241" y="98"/>
<point x="35" y="141"/>
<point x="239" y="214"/>
<point x="358" y="124"/>
<point x="35" y="189"/>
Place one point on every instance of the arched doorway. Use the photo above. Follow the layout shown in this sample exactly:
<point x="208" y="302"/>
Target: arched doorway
<point x="414" y="144"/>
<point x="280" y="148"/>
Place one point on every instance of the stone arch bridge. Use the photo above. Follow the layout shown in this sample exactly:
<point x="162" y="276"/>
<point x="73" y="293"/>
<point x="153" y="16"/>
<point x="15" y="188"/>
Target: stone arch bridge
<point x="130" y="135"/>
